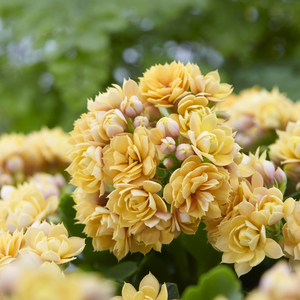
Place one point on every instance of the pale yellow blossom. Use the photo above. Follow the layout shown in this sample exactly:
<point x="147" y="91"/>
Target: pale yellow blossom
<point x="198" y="189"/>
<point x="163" y="85"/>
<point x="51" y="243"/>
<point x="148" y="289"/>
<point x="130" y="158"/>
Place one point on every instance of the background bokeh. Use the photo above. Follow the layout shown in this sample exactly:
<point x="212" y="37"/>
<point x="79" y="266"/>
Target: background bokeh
<point x="55" y="54"/>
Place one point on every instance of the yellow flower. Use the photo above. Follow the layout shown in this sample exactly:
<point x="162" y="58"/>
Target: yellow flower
<point x="198" y="189"/>
<point x="164" y="85"/>
<point x="277" y="283"/>
<point x="51" y="243"/>
<point x="286" y="150"/>
<point x="148" y="289"/>
<point x="86" y="168"/>
<point x="208" y="85"/>
<point x="291" y="241"/>
<point x="186" y="107"/>
<point x="10" y="244"/>
<point x="49" y="146"/>
<point x="245" y="244"/>
<point x="152" y="233"/>
<point x="25" y="206"/>
<point x="185" y="222"/>
<point x="273" y="110"/>
<point x="133" y="203"/>
<point x="130" y="158"/>
<point x="210" y="140"/>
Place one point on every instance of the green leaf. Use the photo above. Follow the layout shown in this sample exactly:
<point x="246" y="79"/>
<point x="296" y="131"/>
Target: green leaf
<point x="221" y="280"/>
<point x="173" y="292"/>
<point x="206" y="257"/>
<point x="122" y="270"/>
<point x="67" y="214"/>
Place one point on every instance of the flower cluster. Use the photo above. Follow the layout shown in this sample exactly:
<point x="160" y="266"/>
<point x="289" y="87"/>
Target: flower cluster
<point x="271" y="111"/>
<point x="22" y="156"/>
<point x="130" y="140"/>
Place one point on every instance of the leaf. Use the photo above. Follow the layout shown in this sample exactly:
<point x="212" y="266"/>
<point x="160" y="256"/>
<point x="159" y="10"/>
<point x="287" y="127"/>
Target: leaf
<point x="205" y="255"/>
<point x="173" y="292"/>
<point x="122" y="270"/>
<point x="221" y="280"/>
<point x="67" y="214"/>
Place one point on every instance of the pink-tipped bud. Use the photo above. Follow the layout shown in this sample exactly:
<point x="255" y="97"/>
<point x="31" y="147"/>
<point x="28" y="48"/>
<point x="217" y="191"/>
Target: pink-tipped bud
<point x="156" y="136"/>
<point x="224" y="115"/>
<point x="183" y="151"/>
<point x="167" y="146"/>
<point x="114" y="123"/>
<point x="151" y="111"/>
<point x="168" y="126"/>
<point x="279" y="175"/>
<point x="168" y="162"/>
<point x="6" y="179"/>
<point x="140" y="121"/>
<point x="131" y="107"/>
<point x="14" y="164"/>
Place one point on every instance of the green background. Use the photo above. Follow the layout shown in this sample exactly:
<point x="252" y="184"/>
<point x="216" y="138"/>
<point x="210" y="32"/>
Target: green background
<point x="55" y="54"/>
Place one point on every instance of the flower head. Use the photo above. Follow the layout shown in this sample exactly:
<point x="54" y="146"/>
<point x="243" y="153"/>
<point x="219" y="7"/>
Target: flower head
<point x="164" y="85"/>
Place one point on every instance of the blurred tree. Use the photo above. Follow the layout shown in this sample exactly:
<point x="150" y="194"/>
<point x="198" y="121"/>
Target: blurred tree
<point x="55" y="54"/>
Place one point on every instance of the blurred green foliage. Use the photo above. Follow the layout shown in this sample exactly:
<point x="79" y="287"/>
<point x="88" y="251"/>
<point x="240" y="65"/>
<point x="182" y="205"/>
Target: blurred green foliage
<point x="55" y="54"/>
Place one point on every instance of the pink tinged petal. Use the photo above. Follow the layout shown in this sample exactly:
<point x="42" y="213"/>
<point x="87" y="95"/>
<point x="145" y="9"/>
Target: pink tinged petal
<point x="58" y="230"/>
<point x="128" y="291"/>
<point x="163" y="295"/>
<point x="272" y="249"/>
<point x="242" y="268"/>
<point x="50" y="256"/>
<point x="150" y="280"/>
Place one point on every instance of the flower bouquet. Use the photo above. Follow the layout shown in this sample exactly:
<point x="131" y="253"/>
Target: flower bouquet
<point x="164" y="186"/>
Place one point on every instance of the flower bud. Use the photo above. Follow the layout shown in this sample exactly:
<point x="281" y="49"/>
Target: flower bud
<point x="168" y="162"/>
<point x="168" y="145"/>
<point x="168" y="126"/>
<point x="223" y="115"/>
<point x="281" y="179"/>
<point x="131" y="107"/>
<point x="140" y="121"/>
<point x="14" y="164"/>
<point x="6" y="191"/>
<point x="151" y="111"/>
<point x="114" y="123"/>
<point x="6" y="179"/>
<point x="183" y="151"/>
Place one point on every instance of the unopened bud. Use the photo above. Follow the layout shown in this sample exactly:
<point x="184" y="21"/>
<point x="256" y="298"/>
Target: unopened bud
<point x="151" y="111"/>
<point x="168" y="145"/>
<point x="183" y="151"/>
<point x="6" y="179"/>
<point x="140" y="121"/>
<point x="6" y="192"/>
<point x="280" y="180"/>
<point x="223" y="115"/>
<point x="168" y="126"/>
<point x="168" y="162"/>
<point x="14" y="164"/>
<point x="131" y="107"/>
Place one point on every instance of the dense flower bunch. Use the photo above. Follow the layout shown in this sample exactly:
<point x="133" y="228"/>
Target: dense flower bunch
<point x="23" y="155"/>
<point x="271" y="111"/>
<point x="130" y="141"/>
